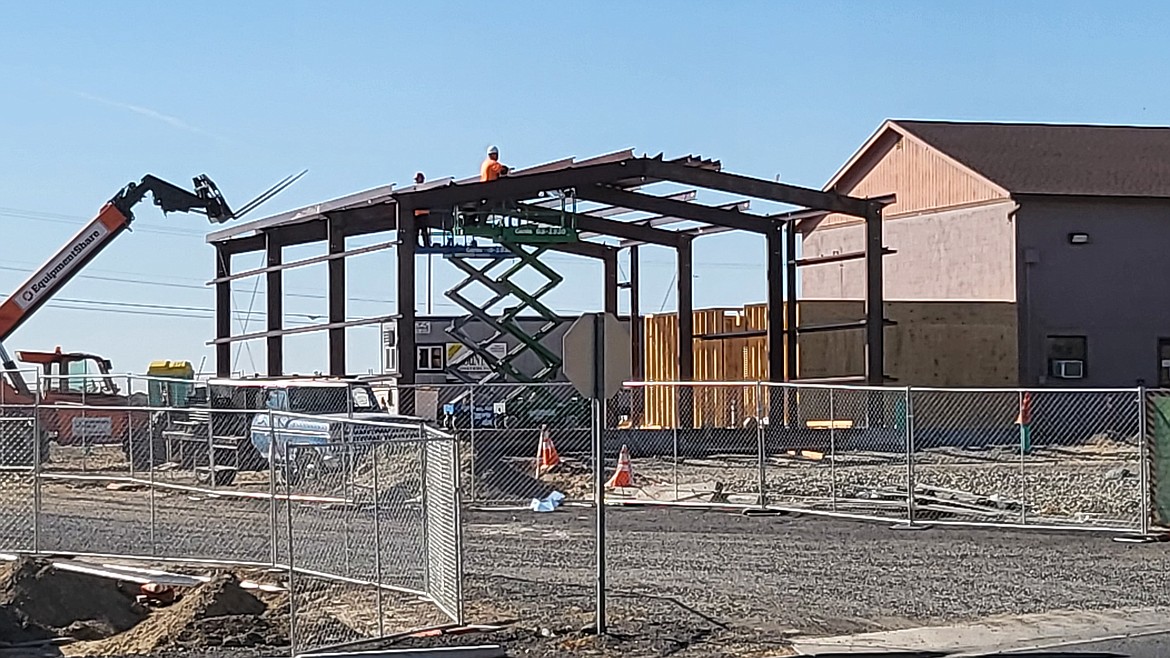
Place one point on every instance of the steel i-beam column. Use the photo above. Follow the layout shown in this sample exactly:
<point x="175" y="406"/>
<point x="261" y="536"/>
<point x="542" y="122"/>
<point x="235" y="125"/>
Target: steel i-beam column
<point x="274" y="306"/>
<point x="638" y="394"/>
<point x="610" y="267"/>
<point x="791" y="335"/>
<point x="223" y="311"/>
<point x="875" y="325"/>
<point x="407" y="358"/>
<point x="791" y="303"/>
<point x="776" y="267"/>
<point x="636" y="360"/>
<point x="337" y="364"/>
<point x="686" y="333"/>
<point x="874" y="301"/>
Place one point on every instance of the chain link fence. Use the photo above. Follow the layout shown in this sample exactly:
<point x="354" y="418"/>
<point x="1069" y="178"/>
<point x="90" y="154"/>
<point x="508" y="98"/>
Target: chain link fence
<point x="385" y="523"/>
<point x="1068" y="458"/>
<point x="359" y="508"/>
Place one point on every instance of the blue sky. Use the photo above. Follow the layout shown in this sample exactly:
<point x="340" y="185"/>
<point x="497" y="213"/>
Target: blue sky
<point x="366" y="93"/>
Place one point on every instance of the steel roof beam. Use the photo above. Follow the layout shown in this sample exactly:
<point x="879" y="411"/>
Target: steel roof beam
<point x="756" y="188"/>
<point x="615" y="229"/>
<point x="511" y="188"/>
<point x="689" y="211"/>
<point x="799" y="216"/>
<point x="612" y="211"/>
<point x="664" y="220"/>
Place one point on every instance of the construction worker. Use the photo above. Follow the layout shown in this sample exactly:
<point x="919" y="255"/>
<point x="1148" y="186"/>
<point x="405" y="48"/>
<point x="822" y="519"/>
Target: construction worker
<point x="424" y="231"/>
<point x="491" y="169"/>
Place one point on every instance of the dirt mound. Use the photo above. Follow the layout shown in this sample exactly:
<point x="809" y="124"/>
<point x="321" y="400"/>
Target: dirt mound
<point x="217" y="613"/>
<point x="38" y="601"/>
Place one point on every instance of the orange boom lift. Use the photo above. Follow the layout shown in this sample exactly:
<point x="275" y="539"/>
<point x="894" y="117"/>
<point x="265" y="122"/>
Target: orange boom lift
<point x="113" y="219"/>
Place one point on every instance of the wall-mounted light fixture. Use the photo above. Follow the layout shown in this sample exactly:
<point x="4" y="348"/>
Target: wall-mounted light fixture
<point x="1078" y="238"/>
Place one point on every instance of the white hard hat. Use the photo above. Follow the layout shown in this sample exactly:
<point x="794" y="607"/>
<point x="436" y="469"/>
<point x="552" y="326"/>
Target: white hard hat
<point x="493" y="150"/>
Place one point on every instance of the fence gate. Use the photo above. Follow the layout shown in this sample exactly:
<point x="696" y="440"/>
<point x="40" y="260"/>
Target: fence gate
<point x="373" y="533"/>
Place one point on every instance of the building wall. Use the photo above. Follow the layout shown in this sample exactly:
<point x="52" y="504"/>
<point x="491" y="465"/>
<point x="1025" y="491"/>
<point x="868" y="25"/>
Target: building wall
<point x="932" y="344"/>
<point x="964" y="254"/>
<point x="921" y="177"/>
<point x="962" y="344"/>
<point x="1113" y="290"/>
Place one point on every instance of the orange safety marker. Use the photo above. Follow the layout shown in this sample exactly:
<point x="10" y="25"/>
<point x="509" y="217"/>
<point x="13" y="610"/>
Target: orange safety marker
<point x="546" y="454"/>
<point x="624" y="475"/>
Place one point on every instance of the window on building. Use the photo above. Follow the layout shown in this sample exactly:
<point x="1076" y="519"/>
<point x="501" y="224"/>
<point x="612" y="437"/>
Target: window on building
<point x="1067" y="357"/>
<point x="430" y="358"/>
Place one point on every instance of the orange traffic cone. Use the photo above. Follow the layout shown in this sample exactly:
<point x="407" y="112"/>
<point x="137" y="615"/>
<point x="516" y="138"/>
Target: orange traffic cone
<point x="624" y="475"/>
<point x="546" y="454"/>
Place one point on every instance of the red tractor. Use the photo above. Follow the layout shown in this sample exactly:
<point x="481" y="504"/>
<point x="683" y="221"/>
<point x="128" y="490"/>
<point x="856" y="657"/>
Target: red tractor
<point x="74" y="389"/>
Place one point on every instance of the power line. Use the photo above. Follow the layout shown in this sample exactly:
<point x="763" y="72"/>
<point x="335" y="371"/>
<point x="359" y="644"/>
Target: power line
<point x="74" y="220"/>
<point x="161" y="311"/>
<point x="163" y="284"/>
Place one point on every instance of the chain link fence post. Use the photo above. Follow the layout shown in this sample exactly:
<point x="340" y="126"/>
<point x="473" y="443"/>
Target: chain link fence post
<point x="210" y="452"/>
<point x="150" y="477"/>
<point x="910" y="503"/>
<point x="37" y="459"/>
<point x="762" y="447"/>
<point x="272" y="507"/>
<point x="1025" y="439"/>
<point x="428" y="550"/>
<point x="833" y="449"/>
<point x="459" y="611"/>
<point x="674" y="436"/>
<point x="1144" y="467"/>
<point x="471" y="437"/>
<point x="378" y="540"/>
<point x="289" y="453"/>
<point x="130" y="426"/>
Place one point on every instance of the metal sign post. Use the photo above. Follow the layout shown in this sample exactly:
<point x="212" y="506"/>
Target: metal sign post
<point x="597" y="361"/>
<point x="599" y="463"/>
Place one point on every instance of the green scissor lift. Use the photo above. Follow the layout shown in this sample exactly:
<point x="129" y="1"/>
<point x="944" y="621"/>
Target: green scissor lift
<point x="525" y="231"/>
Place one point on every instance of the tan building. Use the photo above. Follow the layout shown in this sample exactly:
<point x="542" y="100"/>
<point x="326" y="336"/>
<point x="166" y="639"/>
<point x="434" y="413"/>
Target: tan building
<point x="1026" y="254"/>
<point x="1068" y="224"/>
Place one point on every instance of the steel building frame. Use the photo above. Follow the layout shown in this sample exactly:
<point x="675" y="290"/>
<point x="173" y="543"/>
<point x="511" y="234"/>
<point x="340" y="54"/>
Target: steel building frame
<point x="616" y="183"/>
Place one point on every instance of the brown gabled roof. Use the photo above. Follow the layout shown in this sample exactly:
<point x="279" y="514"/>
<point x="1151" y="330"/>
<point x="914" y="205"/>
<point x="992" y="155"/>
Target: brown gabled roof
<point x="1032" y="158"/>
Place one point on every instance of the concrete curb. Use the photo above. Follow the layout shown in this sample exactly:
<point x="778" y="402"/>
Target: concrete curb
<point x="1034" y="631"/>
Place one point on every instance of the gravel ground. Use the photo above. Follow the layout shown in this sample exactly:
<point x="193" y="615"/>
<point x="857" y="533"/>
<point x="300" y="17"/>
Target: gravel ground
<point x="1052" y="487"/>
<point x="682" y="582"/>
<point x="707" y="583"/>
<point x="700" y="581"/>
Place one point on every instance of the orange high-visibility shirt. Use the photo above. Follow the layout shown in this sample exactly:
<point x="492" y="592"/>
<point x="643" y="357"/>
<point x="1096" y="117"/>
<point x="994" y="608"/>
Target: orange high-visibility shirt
<point x="490" y="169"/>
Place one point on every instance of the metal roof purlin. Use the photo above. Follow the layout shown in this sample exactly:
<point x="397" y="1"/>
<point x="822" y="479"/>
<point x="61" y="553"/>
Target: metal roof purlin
<point x="690" y="211"/>
<point x="755" y="187"/>
<point x="607" y="179"/>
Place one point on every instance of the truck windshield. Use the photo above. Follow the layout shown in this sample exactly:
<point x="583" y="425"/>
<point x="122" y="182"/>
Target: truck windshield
<point x="330" y="400"/>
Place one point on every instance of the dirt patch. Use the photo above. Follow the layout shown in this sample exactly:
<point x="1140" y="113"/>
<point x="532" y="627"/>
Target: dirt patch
<point x="38" y="601"/>
<point x="217" y="613"/>
<point x="515" y="480"/>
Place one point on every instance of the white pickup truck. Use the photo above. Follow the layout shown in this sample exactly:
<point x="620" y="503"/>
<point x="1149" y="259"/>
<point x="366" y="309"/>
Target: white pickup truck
<point x="317" y="416"/>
